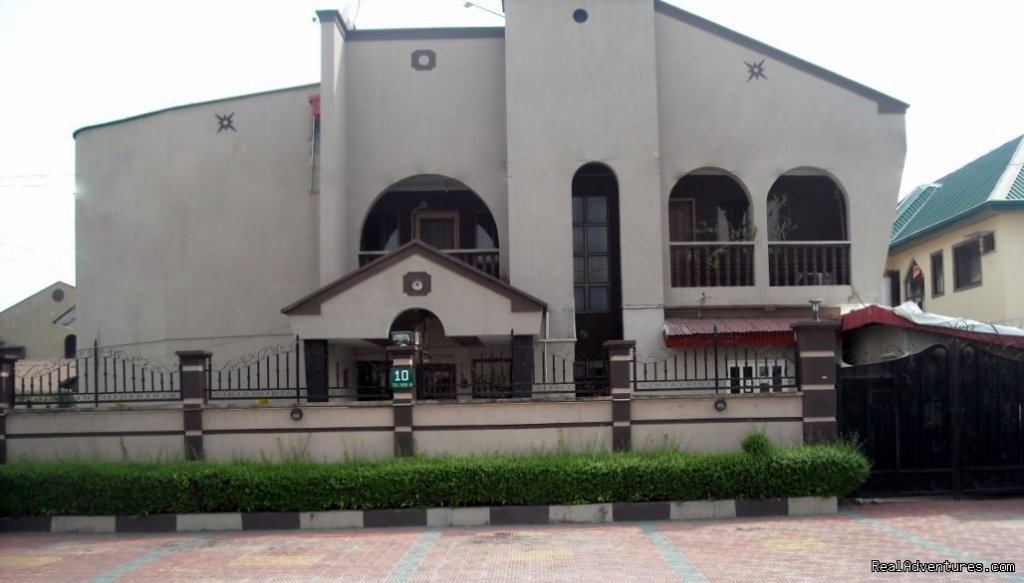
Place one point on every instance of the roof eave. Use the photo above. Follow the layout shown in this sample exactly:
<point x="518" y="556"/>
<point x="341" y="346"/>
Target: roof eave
<point x="886" y="103"/>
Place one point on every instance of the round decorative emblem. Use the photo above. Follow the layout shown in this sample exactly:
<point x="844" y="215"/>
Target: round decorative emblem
<point x="416" y="285"/>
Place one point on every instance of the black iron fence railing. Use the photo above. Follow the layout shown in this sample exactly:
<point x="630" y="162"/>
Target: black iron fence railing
<point x="96" y="376"/>
<point x="808" y="263"/>
<point x="716" y="369"/>
<point x="722" y="264"/>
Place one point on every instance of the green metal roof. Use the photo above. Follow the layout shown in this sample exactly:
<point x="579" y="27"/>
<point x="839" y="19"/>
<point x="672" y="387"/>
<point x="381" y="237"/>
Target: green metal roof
<point x="996" y="176"/>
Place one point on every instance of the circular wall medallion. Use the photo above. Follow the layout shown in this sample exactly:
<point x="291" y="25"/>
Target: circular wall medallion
<point x="417" y="285"/>
<point x="580" y="15"/>
<point x="57" y="295"/>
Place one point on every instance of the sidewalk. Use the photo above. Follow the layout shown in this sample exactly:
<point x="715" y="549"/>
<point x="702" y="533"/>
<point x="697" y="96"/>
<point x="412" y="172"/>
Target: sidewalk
<point x="837" y="547"/>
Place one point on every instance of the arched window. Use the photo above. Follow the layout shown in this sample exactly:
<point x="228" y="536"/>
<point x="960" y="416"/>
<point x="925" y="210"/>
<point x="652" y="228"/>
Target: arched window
<point x="807" y="232"/>
<point x="709" y="232"/>
<point x="70" y="346"/>
<point x="597" y="285"/>
<point x="437" y="210"/>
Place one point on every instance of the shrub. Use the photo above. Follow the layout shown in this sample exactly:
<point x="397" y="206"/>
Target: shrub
<point x="110" y="488"/>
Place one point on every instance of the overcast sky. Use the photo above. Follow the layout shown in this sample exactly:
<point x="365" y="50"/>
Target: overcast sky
<point x="68" y="64"/>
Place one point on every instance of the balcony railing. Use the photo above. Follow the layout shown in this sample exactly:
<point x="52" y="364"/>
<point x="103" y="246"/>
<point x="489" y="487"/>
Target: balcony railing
<point x="486" y="260"/>
<point x="722" y="264"/>
<point x="808" y="263"/>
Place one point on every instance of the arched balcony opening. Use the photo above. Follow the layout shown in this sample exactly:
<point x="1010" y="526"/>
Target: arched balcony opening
<point x="437" y="210"/>
<point x="710" y="237"/>
<point x="808" y="241"/>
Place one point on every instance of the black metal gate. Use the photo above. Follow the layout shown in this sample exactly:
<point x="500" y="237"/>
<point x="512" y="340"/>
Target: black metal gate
<point x="945" y="420"/>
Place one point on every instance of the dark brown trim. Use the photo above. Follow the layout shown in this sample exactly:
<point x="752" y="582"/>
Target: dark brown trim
<point x="820" y="403"/>
<point x="716" y="420"/>
<point x="197" y="104"/>
<point x="515" y="426"/>
<point x="270" y="521"/>
<point x="520" y="515"/>
<point x="622" y="438"/>
<point x="403" y="415"/>
<point x="404" y="445"/>
<point x="886" y="104"/>
<point x="193" y="419"/>
<point x="258" y="431"/>
<point x="768" y="507"/>
<point x="638" y="511"/>
<point x="621" y="410"/>
<point x="818" y="370"/>
<point x="619" y="375"/>
<point x="399" y="517"/>
<point x="96" y="434"/>
<point x="310" y="304"/>
<point x="151" y="523"/>
<point x="425" y="33"/>
<point x="820" y="431"/>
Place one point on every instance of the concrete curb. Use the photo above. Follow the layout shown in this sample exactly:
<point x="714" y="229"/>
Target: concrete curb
<point x="437" y="517"/>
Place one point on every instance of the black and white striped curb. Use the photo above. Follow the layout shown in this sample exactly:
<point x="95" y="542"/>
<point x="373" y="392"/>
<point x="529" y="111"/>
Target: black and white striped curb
<point x="476" y="516"/>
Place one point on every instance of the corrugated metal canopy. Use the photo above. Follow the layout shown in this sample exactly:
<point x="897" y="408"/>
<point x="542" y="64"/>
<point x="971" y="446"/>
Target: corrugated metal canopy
<point x="688" y="332"/>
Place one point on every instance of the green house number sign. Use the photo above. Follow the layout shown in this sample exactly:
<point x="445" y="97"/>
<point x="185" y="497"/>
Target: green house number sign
<point x="402" y="378"/>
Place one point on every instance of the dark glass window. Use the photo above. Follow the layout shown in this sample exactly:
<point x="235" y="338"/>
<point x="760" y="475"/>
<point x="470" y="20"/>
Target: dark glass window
<point x="967" y="264"/>
<point x="938" y="275"/>
<point x="590" y="253"/>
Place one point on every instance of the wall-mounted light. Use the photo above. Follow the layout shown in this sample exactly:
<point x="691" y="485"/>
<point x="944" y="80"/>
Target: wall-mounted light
<point x="816" y="308"/>
<point x="296" y="413"/>
<point x="720" y="404"/>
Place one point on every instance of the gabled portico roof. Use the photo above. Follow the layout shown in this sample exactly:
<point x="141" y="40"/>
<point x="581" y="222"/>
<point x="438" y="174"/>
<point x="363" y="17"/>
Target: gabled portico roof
<point x="520" y="301"/>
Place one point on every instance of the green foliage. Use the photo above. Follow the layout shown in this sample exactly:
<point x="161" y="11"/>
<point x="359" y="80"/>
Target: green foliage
<point x="758" y="445"/>
<point x="101" y="488"/>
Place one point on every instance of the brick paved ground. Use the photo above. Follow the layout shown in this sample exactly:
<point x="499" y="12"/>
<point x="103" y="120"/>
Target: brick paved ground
<point x="838" y="547"/>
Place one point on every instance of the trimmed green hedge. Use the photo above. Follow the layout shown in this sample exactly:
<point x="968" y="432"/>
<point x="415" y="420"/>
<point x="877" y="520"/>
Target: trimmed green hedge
<point x="100" y="488"/>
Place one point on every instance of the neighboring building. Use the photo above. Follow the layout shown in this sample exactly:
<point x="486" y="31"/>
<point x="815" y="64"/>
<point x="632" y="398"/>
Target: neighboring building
<point x="955" y="243"/>
<point x="591" y="171"/>
<point x="41" y="325"/>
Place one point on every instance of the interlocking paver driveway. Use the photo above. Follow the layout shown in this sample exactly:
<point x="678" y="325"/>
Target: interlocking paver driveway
<point x="838" y="547"/>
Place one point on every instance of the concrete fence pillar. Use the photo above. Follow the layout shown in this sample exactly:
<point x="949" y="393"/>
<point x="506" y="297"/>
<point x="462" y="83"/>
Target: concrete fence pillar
<point x="816" y="344"/>
<point x="403" y="358"/>
<point x="195" y="388"/>
<point x="7" y="363"/>
<point x="620" y="360"/>
<point x="317" y="370"/>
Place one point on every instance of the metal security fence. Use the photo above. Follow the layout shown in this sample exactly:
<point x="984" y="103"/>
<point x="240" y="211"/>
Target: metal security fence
<point x="96" y="376"/>
<point x="714" y="368"/>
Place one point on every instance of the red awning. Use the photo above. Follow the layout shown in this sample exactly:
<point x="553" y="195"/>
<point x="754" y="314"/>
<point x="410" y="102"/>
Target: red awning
<point x="689" y="332"/>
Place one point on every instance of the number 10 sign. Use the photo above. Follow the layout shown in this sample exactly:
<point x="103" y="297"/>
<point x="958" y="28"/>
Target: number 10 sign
<point x="402" y="378"/>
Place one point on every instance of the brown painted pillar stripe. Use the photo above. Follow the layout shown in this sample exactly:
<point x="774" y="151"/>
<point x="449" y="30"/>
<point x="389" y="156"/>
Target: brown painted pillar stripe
<point x="817" y="372"/>
<point x="6" y="399"/>
<point x="402" y="402"/>
<point x="195" y="366"/>
<point x="619" y="362"/>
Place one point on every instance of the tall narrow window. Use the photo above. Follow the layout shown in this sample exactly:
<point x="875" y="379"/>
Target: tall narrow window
<point x="938" y="275"/>
<point x="590" y="253"/>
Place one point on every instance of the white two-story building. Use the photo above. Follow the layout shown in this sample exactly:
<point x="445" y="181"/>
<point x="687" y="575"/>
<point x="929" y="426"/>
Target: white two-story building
<point x="594" y="170"/>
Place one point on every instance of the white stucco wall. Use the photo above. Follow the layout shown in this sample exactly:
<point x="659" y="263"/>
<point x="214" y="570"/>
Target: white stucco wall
<point x="579" y="93"/>
<point x="402" y="122"/>
<point x="190" y="239"/>
<point x="190" y="234"/>
<point x="711" y="116"/>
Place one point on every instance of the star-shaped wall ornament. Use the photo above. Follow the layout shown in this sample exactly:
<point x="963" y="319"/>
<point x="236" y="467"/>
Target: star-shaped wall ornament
<point x="225" y="122"/>
<point x="755" y="70"/>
